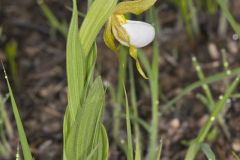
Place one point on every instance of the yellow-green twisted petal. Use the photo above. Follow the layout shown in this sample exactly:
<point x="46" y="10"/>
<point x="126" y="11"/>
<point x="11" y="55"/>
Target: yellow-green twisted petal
<point x="119" y="32"/>
<point x="108" y="36"/>
<point x="133" y="53"/>
<point x="121" y="35"/>
<point x="135" y="7"/>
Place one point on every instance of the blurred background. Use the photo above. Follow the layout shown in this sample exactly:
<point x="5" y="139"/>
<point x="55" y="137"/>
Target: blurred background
<point x="32" y="48"/>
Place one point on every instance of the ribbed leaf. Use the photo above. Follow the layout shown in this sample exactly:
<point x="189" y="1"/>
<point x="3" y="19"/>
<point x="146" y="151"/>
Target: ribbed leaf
<point x="104" y="146"/>
<point x="87" y="124"/>
<point x="96" y="17"/>
<point x="84" y="137"/>
<point x="75" y="66"/>
<point x="101" y="142"/>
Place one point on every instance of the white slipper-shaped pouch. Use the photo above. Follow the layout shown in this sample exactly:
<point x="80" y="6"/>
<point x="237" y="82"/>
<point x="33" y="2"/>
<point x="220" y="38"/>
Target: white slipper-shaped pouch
<point x="140" y="33"/>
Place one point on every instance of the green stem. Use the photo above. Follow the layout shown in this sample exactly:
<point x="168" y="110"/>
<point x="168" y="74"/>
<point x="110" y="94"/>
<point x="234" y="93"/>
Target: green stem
<point x="119" y="97"/>
<point x="154" y="90"/>
<point x="135" y="114"/>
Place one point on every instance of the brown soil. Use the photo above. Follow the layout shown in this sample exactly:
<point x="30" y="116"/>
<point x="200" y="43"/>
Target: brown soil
<point x="41" y="69"/>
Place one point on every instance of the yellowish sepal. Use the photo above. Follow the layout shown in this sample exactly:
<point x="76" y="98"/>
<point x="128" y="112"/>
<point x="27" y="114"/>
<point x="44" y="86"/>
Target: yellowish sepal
<point x="133" y="54"/>
<point x="135" y="7"/>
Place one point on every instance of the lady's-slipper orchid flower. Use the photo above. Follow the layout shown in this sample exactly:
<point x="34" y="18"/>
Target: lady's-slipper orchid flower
<point x="133" y="34"/>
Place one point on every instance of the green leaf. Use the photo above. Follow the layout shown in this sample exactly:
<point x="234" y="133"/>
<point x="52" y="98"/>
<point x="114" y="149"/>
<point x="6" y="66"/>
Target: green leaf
<point x="105" y="143"/>
<point x="98" y="14"/>
<point x="102" y="143"/>
<point x="90" y="156"/>
<point x="66" y="128"/>
<point x="91" y="60"/>
<point x="208" y="151"/>
<point x="86" y="127"/>
<point x="23" y="139"/>
<point x="83" y="135"/>
<point x="75" y="66"/>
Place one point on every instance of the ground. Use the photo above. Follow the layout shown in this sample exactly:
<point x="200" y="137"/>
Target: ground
<point x="41" y="69"/>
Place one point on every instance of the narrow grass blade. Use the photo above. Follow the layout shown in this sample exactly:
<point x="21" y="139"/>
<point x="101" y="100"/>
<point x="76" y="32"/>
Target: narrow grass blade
<point x="135" y="114"/>
<point x="5" y="118"/>
<point x="23" y="139"/>
<point x="196" y="144"/>
<point x="129" y="130"/>
<point x="160" y="150"/>
<point x="229" y="17"/>
<point x="141" y="122"/>
<point x="205" y="87"/>
<point x="210" y="101"/>
<point x="194" y="17"/>
<point x="235" y="156"/>
<point x="54" y="22"/>
<point x="210" y="79"/>
<point x="18" y="153"/>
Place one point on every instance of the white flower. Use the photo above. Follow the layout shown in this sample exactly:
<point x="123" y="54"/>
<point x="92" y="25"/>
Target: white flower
<point x="133" y="34"/>
<point x="139" y="33"/>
